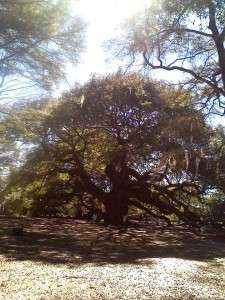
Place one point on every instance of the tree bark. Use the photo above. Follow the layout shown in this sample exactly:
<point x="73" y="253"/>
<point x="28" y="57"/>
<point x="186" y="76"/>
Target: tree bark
<point x="116" y="208"/>
<point x="218" y="39"/>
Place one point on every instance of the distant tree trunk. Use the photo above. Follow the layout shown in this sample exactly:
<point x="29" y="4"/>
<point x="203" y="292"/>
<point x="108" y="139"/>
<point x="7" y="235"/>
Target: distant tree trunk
<point x="116" y="208"/>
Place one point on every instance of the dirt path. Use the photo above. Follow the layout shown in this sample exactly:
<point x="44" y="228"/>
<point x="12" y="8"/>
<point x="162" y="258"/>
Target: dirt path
<point x="64" y="259"/>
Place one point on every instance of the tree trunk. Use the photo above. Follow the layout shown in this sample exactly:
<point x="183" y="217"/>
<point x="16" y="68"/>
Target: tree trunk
<point x="116" y="208"/>
<point x="78" y="213"/>
<point x="218" y="39"/>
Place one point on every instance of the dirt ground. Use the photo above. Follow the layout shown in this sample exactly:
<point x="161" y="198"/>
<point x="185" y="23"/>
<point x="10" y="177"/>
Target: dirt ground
<point x="69" y="259"/>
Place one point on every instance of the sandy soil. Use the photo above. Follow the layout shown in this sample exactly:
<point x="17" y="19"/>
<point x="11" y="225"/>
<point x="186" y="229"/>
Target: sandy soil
<point x="66" y="259"/>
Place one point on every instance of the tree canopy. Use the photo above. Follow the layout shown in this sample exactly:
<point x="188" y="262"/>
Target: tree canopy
<point x="183" y="36"/>
<point x="37" y="40"/>
<point x="116" y="143"/>
<point x="120" y="143"/>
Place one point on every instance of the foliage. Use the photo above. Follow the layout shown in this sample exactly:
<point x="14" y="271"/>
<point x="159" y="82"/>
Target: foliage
<point x="38" y="38"/>
<point x="183" y="36"/>
<point x="114" y="144"/>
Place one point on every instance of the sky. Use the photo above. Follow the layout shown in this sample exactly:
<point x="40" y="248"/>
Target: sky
<point x="102" y="18"/>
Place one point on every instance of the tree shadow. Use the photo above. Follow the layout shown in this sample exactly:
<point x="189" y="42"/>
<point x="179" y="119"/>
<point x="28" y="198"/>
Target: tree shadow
<point x="210" y="276"/>
<point x="69" y="241"/>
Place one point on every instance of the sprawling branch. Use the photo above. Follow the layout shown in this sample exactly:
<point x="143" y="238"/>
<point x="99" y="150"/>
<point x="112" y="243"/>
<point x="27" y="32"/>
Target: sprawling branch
<point x="189" y="30"/>
<point x="184" y="70"/>
<point x="154" y="215"/>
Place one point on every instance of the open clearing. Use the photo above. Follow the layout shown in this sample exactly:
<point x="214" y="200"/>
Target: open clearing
<point x="68" y="259"/>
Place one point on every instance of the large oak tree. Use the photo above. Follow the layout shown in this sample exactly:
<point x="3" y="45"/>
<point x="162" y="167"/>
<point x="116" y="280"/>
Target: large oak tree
<point x="121" y="141"/>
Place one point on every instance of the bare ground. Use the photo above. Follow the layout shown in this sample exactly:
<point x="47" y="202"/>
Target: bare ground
<point x="67" y="259"/>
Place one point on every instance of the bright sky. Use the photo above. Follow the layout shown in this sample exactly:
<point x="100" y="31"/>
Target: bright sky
<point x="102" y="17"/>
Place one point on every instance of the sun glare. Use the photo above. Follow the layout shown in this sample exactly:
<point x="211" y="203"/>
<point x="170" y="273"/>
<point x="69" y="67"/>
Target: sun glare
<point x="102" y="18"/>
<point x="111" y="11"/>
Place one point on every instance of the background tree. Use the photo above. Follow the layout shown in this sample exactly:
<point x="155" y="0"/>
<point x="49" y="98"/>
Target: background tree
<point x="37" y="40"/>
<point x="18" y="137"/>
<point x="217" y="152"/>
<point x="183" y="36"/>
<point x="118" y="141"/>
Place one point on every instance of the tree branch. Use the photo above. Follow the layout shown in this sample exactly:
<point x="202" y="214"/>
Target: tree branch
<point x="141" y="206"/>
<point x="185" y="70"/>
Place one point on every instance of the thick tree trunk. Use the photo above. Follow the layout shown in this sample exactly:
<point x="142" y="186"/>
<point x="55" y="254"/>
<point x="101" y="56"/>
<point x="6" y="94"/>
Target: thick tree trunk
<point x="116" y="208"/>
<point x="218" y="39"/>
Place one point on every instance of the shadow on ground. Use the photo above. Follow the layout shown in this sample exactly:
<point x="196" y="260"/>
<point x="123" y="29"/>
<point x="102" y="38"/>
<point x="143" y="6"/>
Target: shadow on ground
<point x="71" y="241"/>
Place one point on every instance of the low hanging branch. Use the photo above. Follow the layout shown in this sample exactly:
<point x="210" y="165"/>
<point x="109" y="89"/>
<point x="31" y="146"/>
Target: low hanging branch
<point x="154" y="215"/>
